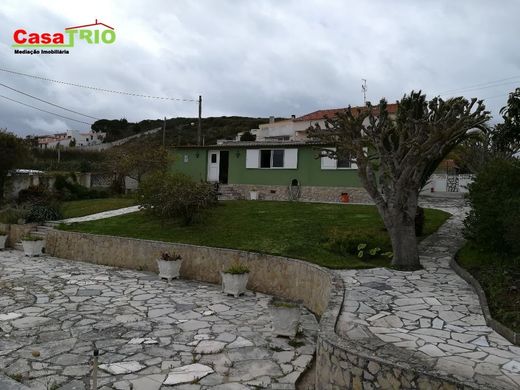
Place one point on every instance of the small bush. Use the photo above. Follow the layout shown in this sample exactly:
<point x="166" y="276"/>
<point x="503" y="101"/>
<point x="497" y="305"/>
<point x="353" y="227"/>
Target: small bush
<point x="175" y="196"/>
<point x="42" y="213"/>
<point x="68" y="189"/>
<point x="494" y="220"/>
<point x="237" y="269"/>
<point x="34" y="195"/>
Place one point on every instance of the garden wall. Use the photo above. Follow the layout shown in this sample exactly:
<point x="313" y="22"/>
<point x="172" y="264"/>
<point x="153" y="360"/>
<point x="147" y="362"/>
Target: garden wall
<point x="16" y="232"/>
<point x="307" y="193"/>
<point x="272" y="275"/>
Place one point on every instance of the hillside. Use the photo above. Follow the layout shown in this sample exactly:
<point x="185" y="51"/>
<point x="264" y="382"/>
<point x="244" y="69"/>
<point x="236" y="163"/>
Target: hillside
<point x="180" y="131"/>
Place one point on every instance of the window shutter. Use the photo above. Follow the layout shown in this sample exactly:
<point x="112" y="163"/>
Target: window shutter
<point x="291" y="158"/>
<point x="252" y="158"/>
<point x="327" y="162"/>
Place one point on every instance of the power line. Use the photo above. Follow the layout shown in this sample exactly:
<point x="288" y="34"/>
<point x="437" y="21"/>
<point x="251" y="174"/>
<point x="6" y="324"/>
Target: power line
<point x="489" y="84"/>
<point x="96" y="88"/>
<point x="48" y="112"/>
<point x="46" y="102"/>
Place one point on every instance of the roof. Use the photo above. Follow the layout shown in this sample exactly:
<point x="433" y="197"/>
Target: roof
<point x="330" y="113"/>
<point x="256" y="144"/>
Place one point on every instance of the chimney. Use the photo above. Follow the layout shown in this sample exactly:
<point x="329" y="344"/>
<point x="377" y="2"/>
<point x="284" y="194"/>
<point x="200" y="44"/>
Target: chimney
<point x="271" y="119"/>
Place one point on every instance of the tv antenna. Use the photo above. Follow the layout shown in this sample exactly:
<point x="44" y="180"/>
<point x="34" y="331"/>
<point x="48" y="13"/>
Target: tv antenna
<point x="364" y="88"/>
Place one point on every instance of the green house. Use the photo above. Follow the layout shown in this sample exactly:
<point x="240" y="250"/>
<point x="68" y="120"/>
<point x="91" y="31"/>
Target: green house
<point x="272" y="170"/>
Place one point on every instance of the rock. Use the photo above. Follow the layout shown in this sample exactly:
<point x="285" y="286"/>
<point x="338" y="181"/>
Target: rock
<point x="150" y="382"/>
<point x="240" y="342"/>
<point x="187" y="374"/>
<point x="209" y="346"/>
<point x="29" y="322"/>
<point x="251" y="369"/>
<point x="10" y="316"/>
<point x="121" y="367"/>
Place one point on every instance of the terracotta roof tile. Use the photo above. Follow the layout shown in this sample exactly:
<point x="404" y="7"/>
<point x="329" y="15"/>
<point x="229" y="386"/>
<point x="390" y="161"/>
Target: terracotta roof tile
<point x="321" y="114"/>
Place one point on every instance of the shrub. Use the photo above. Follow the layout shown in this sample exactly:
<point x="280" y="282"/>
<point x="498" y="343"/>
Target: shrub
<point x="34" y="195"/>
<point x="44" y="212"/>
<point x="494" y="220"/>
<point x="175" y="196"/>
<point x="346" y="243"/>
<point x="69" y="189"/>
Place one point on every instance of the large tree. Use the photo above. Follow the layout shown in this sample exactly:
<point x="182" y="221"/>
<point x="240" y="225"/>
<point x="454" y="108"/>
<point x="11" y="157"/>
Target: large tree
<point x="134" y="160"/>
<point x="396" y="154"/>
<point x="12" y="152"/>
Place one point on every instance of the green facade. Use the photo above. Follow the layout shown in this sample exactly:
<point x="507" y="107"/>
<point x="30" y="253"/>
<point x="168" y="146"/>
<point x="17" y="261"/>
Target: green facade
<point x="308" y="172"/>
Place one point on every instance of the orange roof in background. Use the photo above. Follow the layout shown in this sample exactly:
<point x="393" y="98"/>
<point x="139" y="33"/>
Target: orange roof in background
<point x="321" y="114"/>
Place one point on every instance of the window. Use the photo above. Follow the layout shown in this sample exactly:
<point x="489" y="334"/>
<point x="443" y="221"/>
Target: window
<point x="272" y="158"/>
<point x="344" y="162"/>
<point x="213" y="158"/>
<point x="278" y="157"/>
<point x="265" y="159"/>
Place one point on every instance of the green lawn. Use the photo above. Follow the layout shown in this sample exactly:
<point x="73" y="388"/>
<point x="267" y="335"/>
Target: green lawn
<point x="298" y="230"/>
<point x="500" y="279"/>
<point x="80" y="208"/>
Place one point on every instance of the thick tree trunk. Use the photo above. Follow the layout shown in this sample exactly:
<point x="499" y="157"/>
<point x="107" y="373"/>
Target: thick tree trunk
<point x="404" y="246"/>
<point x="399" y="219"/>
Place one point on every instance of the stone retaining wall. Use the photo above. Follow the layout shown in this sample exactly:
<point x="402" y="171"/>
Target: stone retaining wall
<point x="308" y="193"/>
<point x="274" y="275"/>
<point x="16" y="232"/>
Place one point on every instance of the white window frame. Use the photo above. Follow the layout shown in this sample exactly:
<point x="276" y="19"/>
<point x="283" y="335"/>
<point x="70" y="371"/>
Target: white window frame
<point x="290" y="158"/>
<point x="331" y="164"/>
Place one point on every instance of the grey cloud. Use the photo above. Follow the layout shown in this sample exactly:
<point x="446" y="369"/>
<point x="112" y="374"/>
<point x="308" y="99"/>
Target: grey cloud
<point x="258" y="58"/>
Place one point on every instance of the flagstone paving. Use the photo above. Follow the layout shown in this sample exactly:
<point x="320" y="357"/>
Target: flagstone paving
<point x="150" y="334"/>
<point x="432" y="313"/>
<point x="101" y="215"/>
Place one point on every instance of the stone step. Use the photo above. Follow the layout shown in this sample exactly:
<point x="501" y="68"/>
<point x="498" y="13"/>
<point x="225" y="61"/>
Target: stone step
<point x="50" y="224"/>
<point x="18" y="246"/>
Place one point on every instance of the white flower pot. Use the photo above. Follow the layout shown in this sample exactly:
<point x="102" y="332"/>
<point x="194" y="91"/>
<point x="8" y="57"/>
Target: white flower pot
<point x="169" y="269"/>
<point x="33" y="248"/>
<point x="234" y="284"/>
<point x="253" y="195"/>
<point x="285" y="320"/>
<point x="3" y="239"/>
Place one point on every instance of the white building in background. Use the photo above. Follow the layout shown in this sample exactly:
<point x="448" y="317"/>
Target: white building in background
<point x="72" y="138"/>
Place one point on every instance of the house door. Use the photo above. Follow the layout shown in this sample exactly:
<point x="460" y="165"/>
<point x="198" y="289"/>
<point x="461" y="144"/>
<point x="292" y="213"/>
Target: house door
<point x="213" y="165"/>
<point x="223" y="167"/>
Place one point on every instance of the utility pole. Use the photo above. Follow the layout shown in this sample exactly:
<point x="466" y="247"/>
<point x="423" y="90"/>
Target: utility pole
<point x="364" y="89"/>
<point x="164" y="132"/>
<point x="199" y="128"/>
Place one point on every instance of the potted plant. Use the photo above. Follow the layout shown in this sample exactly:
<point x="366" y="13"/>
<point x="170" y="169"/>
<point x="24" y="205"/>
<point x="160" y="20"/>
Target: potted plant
<point x="234" y="279"/>
<point x="285" y="316"/>
<point x="169" y="265"/>
<point x="3" y="238"/>
<point x="33" y="245"/>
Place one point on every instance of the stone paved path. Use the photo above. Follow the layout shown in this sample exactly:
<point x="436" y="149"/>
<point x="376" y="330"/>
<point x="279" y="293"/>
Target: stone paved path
<point x="432" y="313"/>
<point x="103" y="215"/>
<point x="53" y="314"/>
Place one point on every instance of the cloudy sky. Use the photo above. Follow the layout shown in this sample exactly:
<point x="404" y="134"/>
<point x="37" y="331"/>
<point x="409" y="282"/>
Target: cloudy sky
<point x="256" y="58"/>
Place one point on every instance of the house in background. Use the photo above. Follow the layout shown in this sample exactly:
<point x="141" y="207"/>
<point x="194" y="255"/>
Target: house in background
<point x="72" y="138"/>
<point x="282" y="164"/>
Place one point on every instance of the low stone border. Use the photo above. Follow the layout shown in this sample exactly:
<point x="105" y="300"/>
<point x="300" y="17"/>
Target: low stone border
<point x="500" y="328"/>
